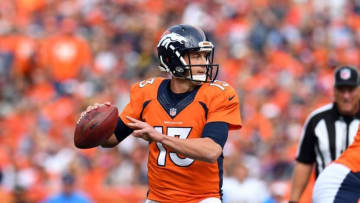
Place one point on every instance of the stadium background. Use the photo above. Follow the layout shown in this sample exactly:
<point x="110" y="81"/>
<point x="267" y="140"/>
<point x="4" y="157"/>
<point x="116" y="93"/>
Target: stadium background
<point x="58" y="56"/>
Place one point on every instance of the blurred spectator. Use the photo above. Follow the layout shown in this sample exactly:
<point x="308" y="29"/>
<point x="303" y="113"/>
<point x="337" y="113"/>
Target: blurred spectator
<point x="24" y="48"/>
<point x="66" y="54"/>
<point x="5" y="195"/>
<point x="68" y="193"/>
<point x="278" y="191"/>
<point x="240" y="187"/>
<point x="19" y="195"/>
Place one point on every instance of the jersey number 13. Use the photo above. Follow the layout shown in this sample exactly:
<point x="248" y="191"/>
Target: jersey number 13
<point x="181" y="133"/>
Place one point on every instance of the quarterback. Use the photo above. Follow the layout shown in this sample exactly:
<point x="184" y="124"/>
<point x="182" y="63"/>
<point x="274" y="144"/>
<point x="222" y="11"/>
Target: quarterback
<point x="186" y="120"/>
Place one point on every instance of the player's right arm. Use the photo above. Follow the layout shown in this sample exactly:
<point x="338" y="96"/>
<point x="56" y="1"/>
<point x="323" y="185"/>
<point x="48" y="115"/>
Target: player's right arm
<point x="111" y="142"/>
<point x="121" y="132"/>
<point x="133" y="109"/>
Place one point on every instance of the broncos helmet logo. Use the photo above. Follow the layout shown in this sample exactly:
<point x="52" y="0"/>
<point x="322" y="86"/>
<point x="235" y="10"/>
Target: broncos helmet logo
<point x="172" y="37"/>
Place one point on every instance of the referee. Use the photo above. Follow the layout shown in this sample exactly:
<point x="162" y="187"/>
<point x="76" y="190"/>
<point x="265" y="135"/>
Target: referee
<point x="328" y="130"/>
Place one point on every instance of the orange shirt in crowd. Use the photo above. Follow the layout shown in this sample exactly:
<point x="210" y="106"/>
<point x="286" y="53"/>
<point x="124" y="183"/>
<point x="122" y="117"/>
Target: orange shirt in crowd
<point x="17" y="125"/>
<point x="23" y="49"/>
<point x="61" y="114"/>
<point x="6" y="44"/>
<point x="25" y="10"/>
<point x="65" y="55"/>
<point x="41" y="92"/>
<point x="27" y="6"/>
<point x="258" y="122"/>
<point x="281" y="60"/>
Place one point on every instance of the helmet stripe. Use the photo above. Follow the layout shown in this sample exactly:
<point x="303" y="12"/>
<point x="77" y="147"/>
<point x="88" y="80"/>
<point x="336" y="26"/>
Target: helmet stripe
<point x="164" y="66"/>
<point x="183" y="61"/>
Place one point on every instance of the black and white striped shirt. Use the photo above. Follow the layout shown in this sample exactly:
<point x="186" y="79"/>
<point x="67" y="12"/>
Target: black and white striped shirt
<point x="326" y="135"/>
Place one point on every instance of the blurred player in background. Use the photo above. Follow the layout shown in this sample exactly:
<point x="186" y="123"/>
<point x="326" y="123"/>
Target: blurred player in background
<point x="328" y="130"/>
<point x="186" y="120"/>
<point x="340" y="181"/>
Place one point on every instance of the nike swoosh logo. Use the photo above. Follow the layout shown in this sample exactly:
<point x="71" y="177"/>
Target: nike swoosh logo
<point x="230" y="98"/>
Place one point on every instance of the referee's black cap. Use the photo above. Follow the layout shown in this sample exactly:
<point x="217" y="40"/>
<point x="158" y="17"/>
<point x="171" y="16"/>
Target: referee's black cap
<point x="346" y="76"/>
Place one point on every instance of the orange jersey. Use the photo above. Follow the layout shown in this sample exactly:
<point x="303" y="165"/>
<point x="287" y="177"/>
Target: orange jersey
<point x="172" y="177"/>
<point x="351" y="156"/>
<point x="65" y="56"/>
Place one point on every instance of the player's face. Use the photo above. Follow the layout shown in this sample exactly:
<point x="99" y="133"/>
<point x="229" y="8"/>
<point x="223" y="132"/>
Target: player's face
<point x="194" y="58"/>
<point x="347" y="99"/>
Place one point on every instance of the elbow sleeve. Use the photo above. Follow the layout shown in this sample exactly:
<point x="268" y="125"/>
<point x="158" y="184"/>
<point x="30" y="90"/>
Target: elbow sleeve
<point x="122" y="131"/>
<point x="217" y="131"/>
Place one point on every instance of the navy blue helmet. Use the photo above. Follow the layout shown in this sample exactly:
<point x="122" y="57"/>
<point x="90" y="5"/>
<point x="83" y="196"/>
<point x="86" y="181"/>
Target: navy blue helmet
<point x="179" y="40"/>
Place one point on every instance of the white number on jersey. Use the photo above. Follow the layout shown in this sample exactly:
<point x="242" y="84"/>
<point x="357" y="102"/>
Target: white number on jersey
<point x="181" y="133"/>
<point x="219" y="84"/>
<point x="145" y="82"/>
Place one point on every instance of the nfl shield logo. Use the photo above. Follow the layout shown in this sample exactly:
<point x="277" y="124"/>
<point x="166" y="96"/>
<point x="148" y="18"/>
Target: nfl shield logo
<point x="172" y="112"/>
<point x="345" y="74"/>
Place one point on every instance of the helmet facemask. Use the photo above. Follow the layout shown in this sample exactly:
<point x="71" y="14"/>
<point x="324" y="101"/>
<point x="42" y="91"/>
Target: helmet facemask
<point x="211" y="70"/>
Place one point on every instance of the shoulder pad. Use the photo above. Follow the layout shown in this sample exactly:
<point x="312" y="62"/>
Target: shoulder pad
<point x="221" y="87"/>
<point x="146" y="88"/>
<point x="147" y="84"/>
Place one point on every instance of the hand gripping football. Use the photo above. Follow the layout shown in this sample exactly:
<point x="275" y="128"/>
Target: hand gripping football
<point x="95" y="126"/>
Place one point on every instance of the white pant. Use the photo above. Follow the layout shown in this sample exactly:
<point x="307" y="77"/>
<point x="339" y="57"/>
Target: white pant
<point x="207" y="200"/>
<point x="329" y="182"/>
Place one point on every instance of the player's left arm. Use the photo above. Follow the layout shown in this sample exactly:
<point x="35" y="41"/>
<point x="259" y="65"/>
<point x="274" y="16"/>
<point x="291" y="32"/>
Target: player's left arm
<point x="204" y="149"/>
<point x="208" y="148"/>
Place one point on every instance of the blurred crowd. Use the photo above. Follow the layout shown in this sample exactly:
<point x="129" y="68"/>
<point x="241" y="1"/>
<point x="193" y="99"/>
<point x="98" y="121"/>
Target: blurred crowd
<point x="59" y="56"/>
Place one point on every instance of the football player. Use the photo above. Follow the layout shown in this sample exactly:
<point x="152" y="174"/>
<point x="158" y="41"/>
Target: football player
<point x="186" y="120"/>
<point x="340" y="181"/>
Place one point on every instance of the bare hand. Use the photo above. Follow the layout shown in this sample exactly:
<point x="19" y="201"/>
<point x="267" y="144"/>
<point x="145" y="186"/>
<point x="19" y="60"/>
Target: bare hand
<point x="90" y="108"/>
<point x="144" y="130"/>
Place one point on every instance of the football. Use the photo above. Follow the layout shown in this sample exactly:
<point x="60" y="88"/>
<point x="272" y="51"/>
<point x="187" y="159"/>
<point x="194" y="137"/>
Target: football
<point x="95" y="126"/>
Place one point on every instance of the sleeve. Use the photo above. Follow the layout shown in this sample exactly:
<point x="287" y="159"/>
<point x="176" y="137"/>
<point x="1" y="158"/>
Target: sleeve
<point x="225" y="107"/>
<point x="306" y="148"/>
<point x="122" y="131"/>
<point x="217" y="131"/>
<point x="134" y="107"/>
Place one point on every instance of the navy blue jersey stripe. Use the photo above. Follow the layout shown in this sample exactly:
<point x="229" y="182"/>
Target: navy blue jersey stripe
<point x="217" y="131"/>
<point x="206" y="109"/>
<point x="349" y="190"/>
<point x="220" y="166"/>
<point x="143" y="108"/>
<point x="122" y="131"/>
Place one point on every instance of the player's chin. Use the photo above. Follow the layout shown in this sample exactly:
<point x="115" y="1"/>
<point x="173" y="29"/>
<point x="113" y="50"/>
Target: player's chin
<point x="197" y="82"/>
